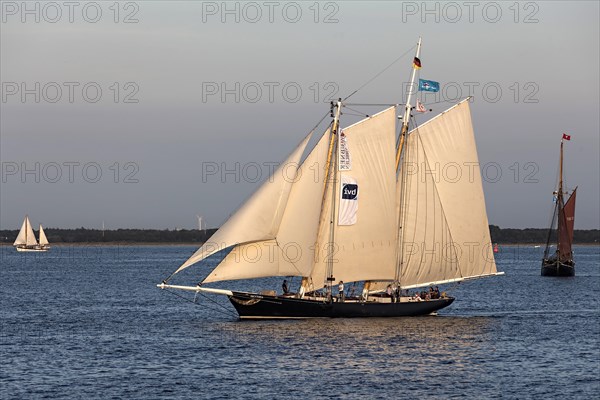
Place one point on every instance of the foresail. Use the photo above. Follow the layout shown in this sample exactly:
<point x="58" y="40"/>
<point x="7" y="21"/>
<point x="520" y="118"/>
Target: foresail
<point x="444" y="227"/>
<point x="365" y="228"/>
<point x="43" y="238"/>
<point x="259" y="217"/>
<point x="291" y="252"/>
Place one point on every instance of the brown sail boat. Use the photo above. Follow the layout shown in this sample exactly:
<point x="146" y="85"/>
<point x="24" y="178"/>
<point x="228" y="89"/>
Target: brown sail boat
<point x="561" y="263"/>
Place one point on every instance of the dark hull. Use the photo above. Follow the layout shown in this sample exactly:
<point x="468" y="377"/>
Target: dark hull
<point x="557" y="268"/>
<point x="255" y="306"/>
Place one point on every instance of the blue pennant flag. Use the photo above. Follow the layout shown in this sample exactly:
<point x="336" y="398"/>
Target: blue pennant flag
<point x="428" y="86"/>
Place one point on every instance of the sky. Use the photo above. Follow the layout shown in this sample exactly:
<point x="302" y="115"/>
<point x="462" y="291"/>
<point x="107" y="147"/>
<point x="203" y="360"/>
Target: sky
<point x="145" y="114"/>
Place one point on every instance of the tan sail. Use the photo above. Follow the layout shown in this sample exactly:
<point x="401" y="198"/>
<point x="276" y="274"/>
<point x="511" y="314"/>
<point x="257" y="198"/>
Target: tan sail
<point x="445" y="235"/>
<point x="26" y="237"/>
<point x="291" y="253"/>
<point x="43" y="238"/>
<point x="366" y="248"/>
<point x="259" y="217"/>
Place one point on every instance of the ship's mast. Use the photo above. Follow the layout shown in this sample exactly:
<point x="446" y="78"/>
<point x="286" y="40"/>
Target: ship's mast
<point x="332" y="179"/>
<point x="557" y="207"/>
<point x="559" y="199"/>
<point x="407" y="108"/>
<point x="403" y="132"/>
<point x="330" y="176"/>
<point x="560" y="180"/>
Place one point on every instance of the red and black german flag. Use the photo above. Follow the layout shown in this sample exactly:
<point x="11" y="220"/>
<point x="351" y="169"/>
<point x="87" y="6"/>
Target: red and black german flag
<point x="416" y="63"/>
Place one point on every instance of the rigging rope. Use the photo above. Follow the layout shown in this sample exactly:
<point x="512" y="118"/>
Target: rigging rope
<point x="380" y="72"/>
<point x="226" y="312"/>
<point x="374" y="104"/>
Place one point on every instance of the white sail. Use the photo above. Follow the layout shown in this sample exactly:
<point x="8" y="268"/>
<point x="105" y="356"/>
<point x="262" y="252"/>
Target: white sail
<point x="259" y="217"/>
<point x="444" y="227"/>
<point x="43" y="238"/>
<point x="291" y="253"/>
<point x="365" y="244"/>
<point x="26" y="235"/>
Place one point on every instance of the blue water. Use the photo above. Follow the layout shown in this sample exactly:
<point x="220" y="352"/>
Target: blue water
<point x="80" y="322"/>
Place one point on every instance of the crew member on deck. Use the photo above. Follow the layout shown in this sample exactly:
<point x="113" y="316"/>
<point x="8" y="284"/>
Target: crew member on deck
<point x="341" y="290"/>
<point x="285" y="288"/>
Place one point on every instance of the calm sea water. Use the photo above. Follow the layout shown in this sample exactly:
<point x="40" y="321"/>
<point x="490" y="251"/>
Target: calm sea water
<point x="80" y="322"/>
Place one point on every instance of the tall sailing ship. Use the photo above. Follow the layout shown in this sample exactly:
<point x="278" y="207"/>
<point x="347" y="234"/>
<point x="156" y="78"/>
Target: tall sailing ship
<point x="560" y="262"/>
<point x="26" y="240"/>
<point x="376" y="213"/>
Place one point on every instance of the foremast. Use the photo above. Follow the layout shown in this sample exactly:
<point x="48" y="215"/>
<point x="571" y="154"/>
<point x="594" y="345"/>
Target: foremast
<point x="331" y="179"/>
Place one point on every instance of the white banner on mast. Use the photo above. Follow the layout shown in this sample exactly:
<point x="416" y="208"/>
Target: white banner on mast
<point x="344" y="159"/>
<point x="348" y="201"/>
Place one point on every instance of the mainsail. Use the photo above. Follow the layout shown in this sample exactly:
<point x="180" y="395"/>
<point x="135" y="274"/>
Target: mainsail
<point x="26" y="236"/>
<point x="566" y="222"/>
<point x="444" y="226"/>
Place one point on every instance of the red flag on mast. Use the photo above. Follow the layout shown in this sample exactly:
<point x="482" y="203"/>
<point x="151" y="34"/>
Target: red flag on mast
<point x="566" y="137"/>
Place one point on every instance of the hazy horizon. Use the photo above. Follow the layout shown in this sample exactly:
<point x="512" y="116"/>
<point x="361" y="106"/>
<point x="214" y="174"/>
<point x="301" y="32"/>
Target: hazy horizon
<point x="145" y="115"/>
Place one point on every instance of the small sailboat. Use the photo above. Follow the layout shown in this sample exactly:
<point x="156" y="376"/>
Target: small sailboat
<point x="26" y="240"/>
<point x="560" y="262"/>
<point x="371" y="214"/>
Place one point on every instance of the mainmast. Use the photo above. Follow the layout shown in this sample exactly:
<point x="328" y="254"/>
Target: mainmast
<point x="560" y="179"/>
<point x="407" y="108"/>
<point x="558" y="206"/>
<point x="403" y="132"/>
<point x="559" y="199"/>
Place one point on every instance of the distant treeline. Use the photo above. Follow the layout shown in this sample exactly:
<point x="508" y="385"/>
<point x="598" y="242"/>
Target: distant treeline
<point x="83" y="235"/>
<point x="532" y="235"/>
